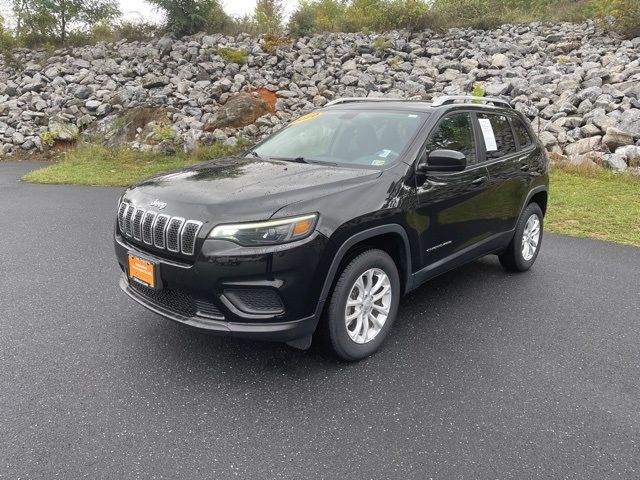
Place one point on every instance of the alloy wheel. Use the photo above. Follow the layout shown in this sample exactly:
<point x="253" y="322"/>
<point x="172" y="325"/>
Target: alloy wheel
<point x="530" y="237"/>
<point x="368" y="305"/>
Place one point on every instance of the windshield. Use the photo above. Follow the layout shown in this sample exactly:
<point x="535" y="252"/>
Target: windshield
<point x="371" y="138"/>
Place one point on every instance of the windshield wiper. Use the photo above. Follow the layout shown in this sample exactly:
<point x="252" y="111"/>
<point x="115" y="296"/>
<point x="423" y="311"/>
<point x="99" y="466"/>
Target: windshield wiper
<point x="288" y="159"/>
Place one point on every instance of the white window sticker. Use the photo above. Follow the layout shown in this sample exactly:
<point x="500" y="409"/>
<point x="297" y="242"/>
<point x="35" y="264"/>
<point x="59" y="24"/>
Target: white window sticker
<point x="487" y="133"/>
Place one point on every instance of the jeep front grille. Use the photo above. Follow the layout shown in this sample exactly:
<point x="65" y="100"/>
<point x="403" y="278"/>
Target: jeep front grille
<point x="174" y="234"/>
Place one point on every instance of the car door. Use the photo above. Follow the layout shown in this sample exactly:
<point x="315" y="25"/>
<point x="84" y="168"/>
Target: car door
<point x="507" y="184"/>
<point x="450" y="210"/>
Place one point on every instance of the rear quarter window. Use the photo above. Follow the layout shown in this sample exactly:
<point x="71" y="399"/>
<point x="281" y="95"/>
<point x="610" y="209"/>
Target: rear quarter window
<point x="499" y="139"/>
<point x="522" y="134"/>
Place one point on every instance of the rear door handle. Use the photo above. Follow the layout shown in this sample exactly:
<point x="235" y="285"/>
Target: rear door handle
<point x="479" y="181"/>
<point x="525" y="168"/>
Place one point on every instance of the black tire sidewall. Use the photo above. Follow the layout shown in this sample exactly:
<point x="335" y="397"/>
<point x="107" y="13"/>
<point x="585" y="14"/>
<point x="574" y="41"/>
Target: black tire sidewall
<point x="342" y="344"/>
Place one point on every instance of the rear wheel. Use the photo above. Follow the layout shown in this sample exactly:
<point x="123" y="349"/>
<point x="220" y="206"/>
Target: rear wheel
<point x="363" y="305"/>
<point x="523" y="250"/>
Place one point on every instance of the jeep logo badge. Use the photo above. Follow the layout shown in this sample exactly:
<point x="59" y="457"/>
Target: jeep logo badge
<point x="158" y="204"/>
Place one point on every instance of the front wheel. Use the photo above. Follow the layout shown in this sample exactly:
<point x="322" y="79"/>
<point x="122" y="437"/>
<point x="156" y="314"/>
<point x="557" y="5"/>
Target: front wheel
<point x="523" y="250"/>
<point x="363" y="305"/>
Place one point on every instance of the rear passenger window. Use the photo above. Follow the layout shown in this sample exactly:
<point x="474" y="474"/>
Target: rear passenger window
<point x="522" y="135"/>
<point x="455" y="133"/>
<point x="498" y="137"/>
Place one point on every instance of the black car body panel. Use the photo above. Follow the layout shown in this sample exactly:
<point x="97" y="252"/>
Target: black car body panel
<point x="430" y="223"/>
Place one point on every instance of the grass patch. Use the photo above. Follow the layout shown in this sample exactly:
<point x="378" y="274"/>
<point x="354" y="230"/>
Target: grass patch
<point x="600" y="205"/>
<point x="97" y="165"/>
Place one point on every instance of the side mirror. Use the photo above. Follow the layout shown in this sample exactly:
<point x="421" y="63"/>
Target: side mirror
<point x="443" y="161"/>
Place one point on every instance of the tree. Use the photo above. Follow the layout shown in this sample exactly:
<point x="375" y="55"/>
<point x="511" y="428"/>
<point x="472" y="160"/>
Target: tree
<point x="53" y="20"/>
<point x="186" y="17"/>
<point x="269" y="15"/>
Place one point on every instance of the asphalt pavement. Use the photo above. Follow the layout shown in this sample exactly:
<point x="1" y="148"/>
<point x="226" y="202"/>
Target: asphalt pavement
<point x="486" y="374"/>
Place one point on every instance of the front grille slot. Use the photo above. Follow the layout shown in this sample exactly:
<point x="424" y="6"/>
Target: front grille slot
<point x="174" y="234"/>
<point x="159" y="230"/>
<point x="147" y="227"/>
<point x="136" y="227"/>
<point x="189" y="235"/>
<point x="121" y="214"/>
<point x="127" y="219"/>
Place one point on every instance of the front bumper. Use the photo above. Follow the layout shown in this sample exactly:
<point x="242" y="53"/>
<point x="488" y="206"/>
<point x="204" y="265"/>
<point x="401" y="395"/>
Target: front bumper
<point x="292" y="272"/>
<point x="277" y="332"/>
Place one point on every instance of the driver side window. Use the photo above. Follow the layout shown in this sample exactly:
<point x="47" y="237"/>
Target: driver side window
<point x="455" y="132"/>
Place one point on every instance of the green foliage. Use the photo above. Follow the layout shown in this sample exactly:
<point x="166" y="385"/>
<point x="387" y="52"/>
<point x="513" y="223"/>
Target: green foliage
<point x="51" y="21"/>
<point x="163" y="133"/>
<point x="47" y="138"/>
<point x="313" y="16"/>
<point x="186" y="17"/>
<point x="478" y="91"/>
<point x="625" y="14"/>
<point x="230" y="55"/>
<point x="491" y="13"/>
<point x="381" y="44"/>
<point x="268" y="16"/>
<point x="317" y="16"/>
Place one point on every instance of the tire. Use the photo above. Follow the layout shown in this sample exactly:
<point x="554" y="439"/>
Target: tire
<point x="340" y="333"/>
<point x="516" y="258"/>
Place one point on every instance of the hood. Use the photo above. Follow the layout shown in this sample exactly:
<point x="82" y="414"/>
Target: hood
<point x="242" y="189"/>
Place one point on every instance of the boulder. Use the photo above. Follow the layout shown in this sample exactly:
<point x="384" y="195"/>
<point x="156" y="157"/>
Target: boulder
<point x="631" y="154"/>
<point x="615" y="138"/>
<point x="583" y="146"/>
<point x="63" y="131"/>
<point x="616" y="162"/>
<point x="630" y="122"/>
<point x="240" y="110"/>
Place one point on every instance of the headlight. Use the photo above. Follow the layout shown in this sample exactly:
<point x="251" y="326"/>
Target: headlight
<point x="270" y="232"/>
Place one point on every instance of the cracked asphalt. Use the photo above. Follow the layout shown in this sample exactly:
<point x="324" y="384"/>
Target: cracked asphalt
<point x="486" y="374"/>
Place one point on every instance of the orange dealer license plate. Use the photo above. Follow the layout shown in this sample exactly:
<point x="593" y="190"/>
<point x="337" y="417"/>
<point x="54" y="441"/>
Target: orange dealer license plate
<point x="142" y="271"/>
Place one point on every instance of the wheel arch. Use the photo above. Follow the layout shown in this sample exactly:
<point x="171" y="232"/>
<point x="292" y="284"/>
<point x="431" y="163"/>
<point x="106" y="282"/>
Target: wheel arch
<point x="391" y="238"/>
<point x="539" y="195"/>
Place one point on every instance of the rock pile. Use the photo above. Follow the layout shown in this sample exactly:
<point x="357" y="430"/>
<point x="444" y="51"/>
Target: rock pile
<point x="579" y="86"/>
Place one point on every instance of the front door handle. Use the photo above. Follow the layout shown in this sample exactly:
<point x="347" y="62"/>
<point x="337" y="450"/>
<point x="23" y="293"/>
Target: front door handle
<point x="479" y="181"/>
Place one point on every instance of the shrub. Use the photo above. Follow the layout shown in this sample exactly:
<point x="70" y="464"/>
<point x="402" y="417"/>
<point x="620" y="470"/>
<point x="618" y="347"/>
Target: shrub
<point x="625" y="13"/>
<point x="318" y="16"/>
<point x="163" y="133"/>
<point x="186" y="17"/>
<point x="381" y="44"/>
<point x="272" y="41"/>
<point x="230" y="55"/>
<point x="303" y="20"/>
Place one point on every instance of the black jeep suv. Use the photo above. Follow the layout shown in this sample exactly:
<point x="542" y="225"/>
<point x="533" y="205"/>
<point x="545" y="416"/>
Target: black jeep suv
<point x="328" y="222"/>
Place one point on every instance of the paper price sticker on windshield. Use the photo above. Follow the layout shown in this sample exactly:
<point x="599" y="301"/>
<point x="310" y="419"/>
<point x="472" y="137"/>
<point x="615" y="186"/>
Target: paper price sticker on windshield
<point x="304" y="118"/>
<point x="487" y="133"/>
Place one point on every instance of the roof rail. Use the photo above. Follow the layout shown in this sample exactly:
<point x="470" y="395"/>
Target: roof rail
<point x="450" y="99"/>
<point x="339" y="101"/>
